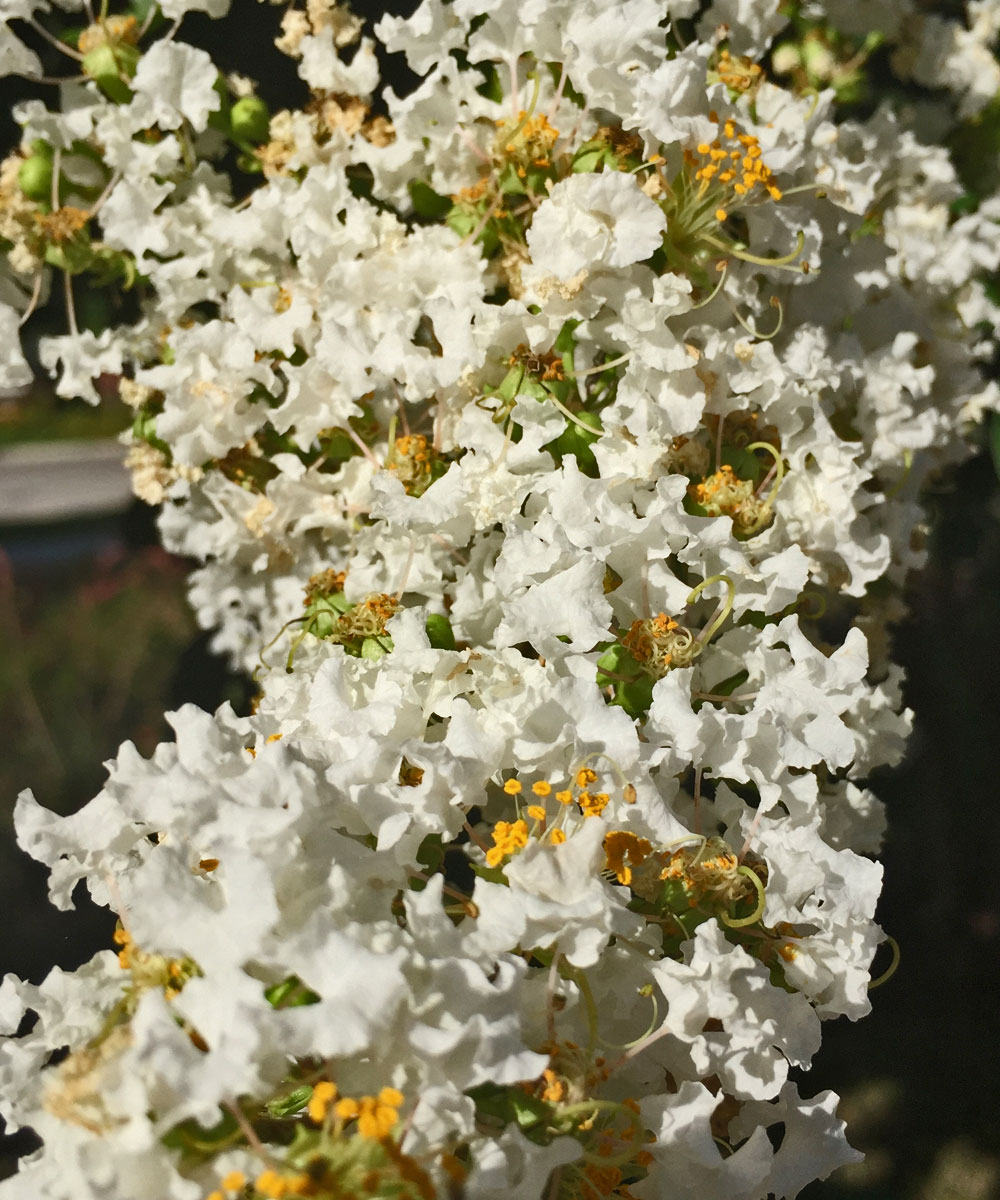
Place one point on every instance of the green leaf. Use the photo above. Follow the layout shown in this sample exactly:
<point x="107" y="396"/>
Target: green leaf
<point x="588" y="158"/>
<point x="491" y="87"/>
<point x="995" y="441"/>
<point x="745" y="463"/>
<point x="728" y="686"/>
<point x="427" y="203"/>
<point x="430" y="853"/>
<point x="336" y="446"/>
<point x="509" y="1104"/>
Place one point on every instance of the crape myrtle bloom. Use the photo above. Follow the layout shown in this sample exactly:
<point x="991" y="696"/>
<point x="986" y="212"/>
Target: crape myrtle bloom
<point x="550" y="444"/>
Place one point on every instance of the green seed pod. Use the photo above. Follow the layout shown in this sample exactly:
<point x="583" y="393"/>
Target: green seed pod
<point x="106" y="64"/>
<point x="250" y="120"/>
<point x="35" y="178"/>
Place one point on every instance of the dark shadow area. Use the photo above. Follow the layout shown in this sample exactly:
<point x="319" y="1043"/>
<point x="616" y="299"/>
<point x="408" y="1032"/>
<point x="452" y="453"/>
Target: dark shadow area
<point x="919" y="1095"/>
<point x="97" y="643"/>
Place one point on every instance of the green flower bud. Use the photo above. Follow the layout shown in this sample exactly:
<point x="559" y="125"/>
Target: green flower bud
<point x="439" y="632"/>
<point x="250" y="120"/>
<point x="107" y="64"/>
<point x="35" y="178"/>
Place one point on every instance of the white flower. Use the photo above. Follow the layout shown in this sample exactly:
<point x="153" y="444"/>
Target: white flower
<point x="173" y="83"/>
<point x="763" y="1029"/>
<point x="590" y="221"/>
<point x="14" y="369"/>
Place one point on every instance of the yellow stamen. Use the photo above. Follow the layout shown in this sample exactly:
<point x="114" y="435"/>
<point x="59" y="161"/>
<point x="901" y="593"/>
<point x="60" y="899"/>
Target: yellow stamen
<point x="324" y="1093"/>
<point x="508" y="837"/>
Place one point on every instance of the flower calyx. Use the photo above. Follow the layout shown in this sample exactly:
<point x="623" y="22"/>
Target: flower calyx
<point x="680" y="886"/>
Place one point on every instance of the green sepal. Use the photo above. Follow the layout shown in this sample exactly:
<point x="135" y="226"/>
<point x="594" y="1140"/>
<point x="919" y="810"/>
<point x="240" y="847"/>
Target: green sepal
<point x="592" y="156"/>
<point x="675" y="898"/>
<point x="108" y="264"/>
<point x="635" y="697"/>
<point x="193" y="1139"/>
<point x="322" y="613"/>
<point x="374" y="648"/>
<point x="290" y="993"/>
<point x="144" y="430"/>
<point x="995" y="442"/>
<point x="106" y="64"/>
<point x="491" y="874"/>
<point x="510" y="183"/>
<point x="249" y="163"/>
<point x="74" y="256"/>
<point x="336" y="446"/>
<point x="463" y="219"/>
<point x="588" y="158"/>
<point x="576" y="441"/>
<point x="510" y="1105"/>
<point x="616" y="658"/>
<point x="291" y="1102"/>
<point x="439" y="632"/>
<point x="692" y="507"/>
<point x="634" y="694"/>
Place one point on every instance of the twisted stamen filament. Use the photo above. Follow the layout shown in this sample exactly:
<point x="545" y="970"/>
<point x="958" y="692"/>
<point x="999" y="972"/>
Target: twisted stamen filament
<point x="721" y="613"/>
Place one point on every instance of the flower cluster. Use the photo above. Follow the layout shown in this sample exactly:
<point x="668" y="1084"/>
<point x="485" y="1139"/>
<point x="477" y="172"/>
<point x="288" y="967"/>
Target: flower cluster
<point x="551" y="442"/>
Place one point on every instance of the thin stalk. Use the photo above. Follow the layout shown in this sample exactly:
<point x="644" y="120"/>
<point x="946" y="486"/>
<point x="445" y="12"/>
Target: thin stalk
<point x="40" y="29"/>
<point x="36" y="291"/>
